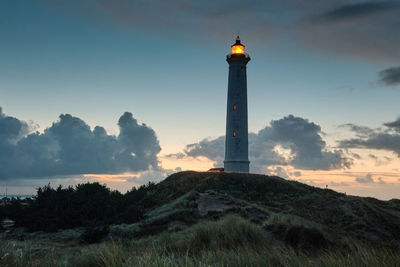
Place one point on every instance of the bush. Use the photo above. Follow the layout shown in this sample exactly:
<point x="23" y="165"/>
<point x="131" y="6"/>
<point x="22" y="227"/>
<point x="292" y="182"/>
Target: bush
<point x="94" y="234"/>
<point x="300" y="237"/>
<point x="61" y="208"/>
<point x="305" y="239"/>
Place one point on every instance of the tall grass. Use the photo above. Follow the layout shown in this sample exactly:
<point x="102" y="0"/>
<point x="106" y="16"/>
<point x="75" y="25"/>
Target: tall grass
<point x="231" y="241"/>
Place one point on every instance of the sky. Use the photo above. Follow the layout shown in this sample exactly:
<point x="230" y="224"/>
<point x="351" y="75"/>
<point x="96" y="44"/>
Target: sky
<point x="126" y="92"/>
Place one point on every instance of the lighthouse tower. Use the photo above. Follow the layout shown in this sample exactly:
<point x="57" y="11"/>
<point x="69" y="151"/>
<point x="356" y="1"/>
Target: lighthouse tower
<point x="236" y="141"/>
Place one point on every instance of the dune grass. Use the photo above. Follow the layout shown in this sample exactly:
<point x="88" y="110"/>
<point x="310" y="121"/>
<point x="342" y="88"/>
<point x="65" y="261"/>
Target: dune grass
<point x="231" y="241"/>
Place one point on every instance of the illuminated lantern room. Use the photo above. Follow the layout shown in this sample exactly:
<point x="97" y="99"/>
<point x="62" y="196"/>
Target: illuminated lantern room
<point x="237" y="48"/>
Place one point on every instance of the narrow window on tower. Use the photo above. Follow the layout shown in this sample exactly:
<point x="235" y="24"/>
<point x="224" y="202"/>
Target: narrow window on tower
<point x="234" y="107"/>
<point x="234" y="133"/>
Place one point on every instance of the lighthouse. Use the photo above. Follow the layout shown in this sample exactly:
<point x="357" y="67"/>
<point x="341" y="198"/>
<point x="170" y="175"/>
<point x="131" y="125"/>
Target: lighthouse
<point x="236" y="139"/>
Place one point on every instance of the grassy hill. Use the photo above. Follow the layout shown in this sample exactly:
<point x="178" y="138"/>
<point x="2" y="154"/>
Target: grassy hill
<point x="205" y="218"/>
<point x="187" y="197"/>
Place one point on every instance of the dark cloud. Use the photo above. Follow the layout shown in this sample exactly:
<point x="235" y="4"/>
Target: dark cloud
<point x="390" y="76"/>
<point x="364" y="30"/>
<point x="304" y="140"/>
<point x="357" y="10"/>
<point x="374" y="36"/>
<point x="367" y="179"/>
<point x="382" y="139"/>
<point x="70" y="147"/>
<point x="360" y="131"/>
<point x="210" y="148"/>
<point x="11" y="129"/>
<point x="395" y="125"/>
<point x="289" y="141"/>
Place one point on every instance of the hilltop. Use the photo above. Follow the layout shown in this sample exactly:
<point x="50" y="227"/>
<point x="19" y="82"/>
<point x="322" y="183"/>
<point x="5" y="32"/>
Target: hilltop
<point x="214" y="218"/>
<point x="187" y="197"/>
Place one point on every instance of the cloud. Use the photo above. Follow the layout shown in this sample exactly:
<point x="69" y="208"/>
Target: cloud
<point x="358" y="10"/>
<point x="390" y="76"/>
<point x="11" y="129"/>
<point x="381" y="181"/>
<point x="209" y="148"/>
<point x="367" y="179"/>
<point x="381" y="139"/>
<point x="371" y="156"/>
<point x="360" y="30"/>
<point x="349" y="27"/>
<point x="360" y="131"/>
<point x="179" y="155"/>
<point x="70" y="147"/>
<point x="378" y="161"/>
<point x="395" y="125"/>
<point x="281" y="172"/>
<point x="289" y="141"/>
<point x="297" y="173"/>
<point x="332" y="183"/>
<point x="304" y="140"/>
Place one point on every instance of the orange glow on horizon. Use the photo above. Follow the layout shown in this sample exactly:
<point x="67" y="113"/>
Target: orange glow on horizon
<point x="189" y="163"/>
<point x="112" y="177"/>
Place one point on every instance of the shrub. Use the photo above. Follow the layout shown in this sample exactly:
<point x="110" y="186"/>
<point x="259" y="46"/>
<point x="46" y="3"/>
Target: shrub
<point x="61" y="208"/>
<point x="94" y="234"/>
<point x="306" y="239"/>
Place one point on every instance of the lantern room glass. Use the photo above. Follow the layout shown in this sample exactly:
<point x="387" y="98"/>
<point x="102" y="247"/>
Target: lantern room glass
<point x="238" y="49"/>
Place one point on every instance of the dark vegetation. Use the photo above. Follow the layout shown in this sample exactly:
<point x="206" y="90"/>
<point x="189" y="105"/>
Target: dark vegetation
<point x="94" y="234"/>
<point x="90" y="205"/>
<point x="214" y="218"/>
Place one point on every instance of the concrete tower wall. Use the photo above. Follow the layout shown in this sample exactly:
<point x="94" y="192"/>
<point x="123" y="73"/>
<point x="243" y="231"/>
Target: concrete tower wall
<point x="236" y="142"/>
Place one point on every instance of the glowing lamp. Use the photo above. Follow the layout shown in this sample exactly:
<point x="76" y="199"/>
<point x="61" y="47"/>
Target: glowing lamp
<point x="237" y="47"/>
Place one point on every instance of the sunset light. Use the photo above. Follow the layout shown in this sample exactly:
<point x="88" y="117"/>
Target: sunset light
<point x="200" y="133"/>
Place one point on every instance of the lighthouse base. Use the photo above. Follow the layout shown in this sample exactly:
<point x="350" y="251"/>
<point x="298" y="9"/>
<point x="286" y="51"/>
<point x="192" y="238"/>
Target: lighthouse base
<point x="236" y="166"/>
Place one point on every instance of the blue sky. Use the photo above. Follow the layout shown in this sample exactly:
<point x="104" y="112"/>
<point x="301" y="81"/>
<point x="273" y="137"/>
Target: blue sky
<point x="166" y="64"/>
